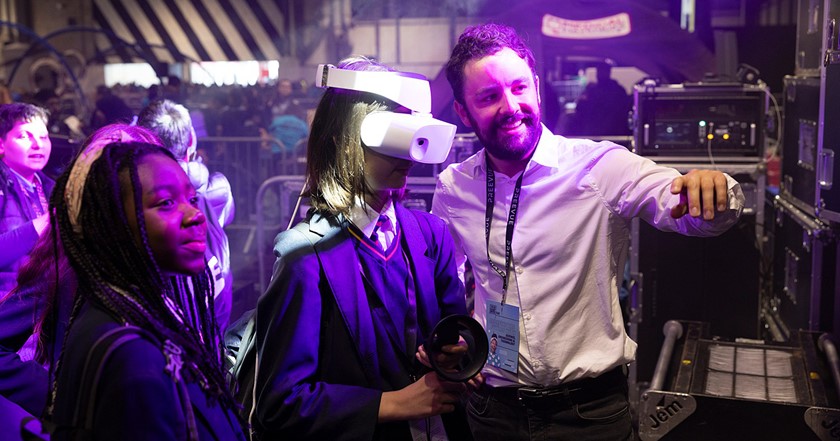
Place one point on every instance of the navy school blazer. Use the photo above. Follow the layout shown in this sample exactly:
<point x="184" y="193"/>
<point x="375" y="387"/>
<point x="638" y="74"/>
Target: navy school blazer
<point x="320" y="374"/>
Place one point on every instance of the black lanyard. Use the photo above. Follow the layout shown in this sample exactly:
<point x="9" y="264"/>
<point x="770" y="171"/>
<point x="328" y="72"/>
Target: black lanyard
<point x="488" y="218"/>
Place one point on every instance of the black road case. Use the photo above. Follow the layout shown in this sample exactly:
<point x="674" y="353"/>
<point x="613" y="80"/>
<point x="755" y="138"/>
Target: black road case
<point x="805" y="268"/>
<point x="812" y="112"/>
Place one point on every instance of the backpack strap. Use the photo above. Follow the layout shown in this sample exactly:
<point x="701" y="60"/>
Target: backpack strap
<point x="247" y="357"/>
<point x="81" y="425"/>
<point x="97" y="358"/>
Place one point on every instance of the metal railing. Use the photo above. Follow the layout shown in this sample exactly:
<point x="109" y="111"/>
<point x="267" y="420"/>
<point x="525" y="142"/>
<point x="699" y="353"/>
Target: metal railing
<point x="247" y="162"/>
<point x="286" y="190"/>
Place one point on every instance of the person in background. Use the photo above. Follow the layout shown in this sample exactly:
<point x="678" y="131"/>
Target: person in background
<point x="283" y="98"/>
<point x="24" y="189"/>
<point x="291" y="130"/>
<point x="173" y="90"/>
<point x="357" y="287"/>
<point x="128" y="218"/>
<point x="110" y="109"/>
<point x="171" y="122"/>
<point x="602" y="109"/>
<point x="545" y="223"/>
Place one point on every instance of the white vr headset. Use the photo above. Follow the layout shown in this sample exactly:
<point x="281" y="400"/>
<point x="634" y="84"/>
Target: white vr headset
<point x="416" y="136"/>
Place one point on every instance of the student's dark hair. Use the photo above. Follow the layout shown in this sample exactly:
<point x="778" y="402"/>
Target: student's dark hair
<point x="335" y="156"/>
<point x="480" y="41"/>
<point x="11" y="114"/>
<point x="123" y="277"/>
<point x="171" y="122"/>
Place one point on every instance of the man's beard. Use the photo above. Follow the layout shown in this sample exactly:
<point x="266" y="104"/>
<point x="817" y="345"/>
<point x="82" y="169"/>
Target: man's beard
<point x="510" y="147"/>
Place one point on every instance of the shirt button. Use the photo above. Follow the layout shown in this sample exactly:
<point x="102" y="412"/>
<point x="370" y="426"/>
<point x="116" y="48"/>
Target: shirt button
<point x="526" y="316"/>
<point x="519" y="270"/>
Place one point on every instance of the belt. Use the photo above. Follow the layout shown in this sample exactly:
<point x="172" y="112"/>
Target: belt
<point x="573" y="392"/>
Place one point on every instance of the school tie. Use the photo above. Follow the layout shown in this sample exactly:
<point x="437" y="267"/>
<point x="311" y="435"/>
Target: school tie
<point x="381" y="232"/>
<point x="41" y="206"/>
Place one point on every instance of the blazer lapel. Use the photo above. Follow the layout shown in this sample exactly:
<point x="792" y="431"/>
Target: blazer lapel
<point x="422" y="267"/>
<point x="341" y="267"/>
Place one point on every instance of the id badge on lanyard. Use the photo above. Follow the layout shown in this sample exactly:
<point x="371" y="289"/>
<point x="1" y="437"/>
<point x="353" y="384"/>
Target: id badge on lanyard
<point x="503" y="334"/>
<point x="502" y="319"/>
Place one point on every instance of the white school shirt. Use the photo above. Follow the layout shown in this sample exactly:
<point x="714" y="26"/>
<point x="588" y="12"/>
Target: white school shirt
<point x="365" y="217"/>
<point x="570" y="243"/>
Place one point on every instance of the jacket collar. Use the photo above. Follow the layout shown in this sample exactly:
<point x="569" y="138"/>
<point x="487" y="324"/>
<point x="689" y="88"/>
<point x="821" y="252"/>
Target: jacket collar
<point x="341" y="266"/>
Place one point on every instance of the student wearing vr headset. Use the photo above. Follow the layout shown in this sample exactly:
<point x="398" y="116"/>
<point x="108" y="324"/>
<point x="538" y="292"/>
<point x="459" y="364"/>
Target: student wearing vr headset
<point x="545" y="222"/>
<point x="361" y="282"/>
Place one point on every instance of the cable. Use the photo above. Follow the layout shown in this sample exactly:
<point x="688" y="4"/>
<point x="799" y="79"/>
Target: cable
<point x="778" y="114"/>
<point x="709" y="146"/>
<point x="297" y="203"/>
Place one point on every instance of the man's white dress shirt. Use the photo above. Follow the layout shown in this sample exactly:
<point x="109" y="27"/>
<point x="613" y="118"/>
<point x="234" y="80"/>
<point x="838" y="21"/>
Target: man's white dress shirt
<point x="570" y="243"/>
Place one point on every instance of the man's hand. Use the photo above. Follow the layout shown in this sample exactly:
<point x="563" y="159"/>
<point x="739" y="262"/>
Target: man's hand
<point x="700" y="190"/>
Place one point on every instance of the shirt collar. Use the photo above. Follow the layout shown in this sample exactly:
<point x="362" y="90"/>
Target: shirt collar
<point x="544" y="155"/>
<point x="26" y="183"/>
<point x="364" y="217"/>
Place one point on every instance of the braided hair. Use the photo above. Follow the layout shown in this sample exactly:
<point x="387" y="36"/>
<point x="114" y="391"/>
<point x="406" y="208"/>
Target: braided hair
<point x="123" y="278"/>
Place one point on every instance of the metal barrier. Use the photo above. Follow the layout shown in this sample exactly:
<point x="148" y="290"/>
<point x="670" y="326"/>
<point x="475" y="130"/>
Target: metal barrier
<point x="288" y="186"/>
<point x="286" y="190"/>
<point x="247" y="162"/>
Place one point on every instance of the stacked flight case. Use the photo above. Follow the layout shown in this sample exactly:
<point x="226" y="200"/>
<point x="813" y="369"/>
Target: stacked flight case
<point x="705" y="125"/>
<point x="720" y="383"/>
<point x="805" y="292"/>
<point x="712" y="279"/>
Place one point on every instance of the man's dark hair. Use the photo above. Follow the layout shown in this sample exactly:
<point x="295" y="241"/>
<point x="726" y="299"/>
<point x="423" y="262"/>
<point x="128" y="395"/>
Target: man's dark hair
<point x="478" y="42"/>
<point x="11" y="114"/>
<point x="171" y="122"/>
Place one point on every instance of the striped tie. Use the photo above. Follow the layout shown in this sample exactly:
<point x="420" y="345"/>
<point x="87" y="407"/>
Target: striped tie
<point x="374" y="236"/>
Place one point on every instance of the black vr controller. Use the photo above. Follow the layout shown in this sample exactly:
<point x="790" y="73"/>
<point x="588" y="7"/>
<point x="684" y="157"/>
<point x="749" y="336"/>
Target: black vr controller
<point x="449" y="331"/>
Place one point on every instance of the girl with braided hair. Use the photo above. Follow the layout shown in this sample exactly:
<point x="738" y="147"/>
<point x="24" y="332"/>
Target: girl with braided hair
<point x="38" y="307"/>
<point x="129" y="224"/>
